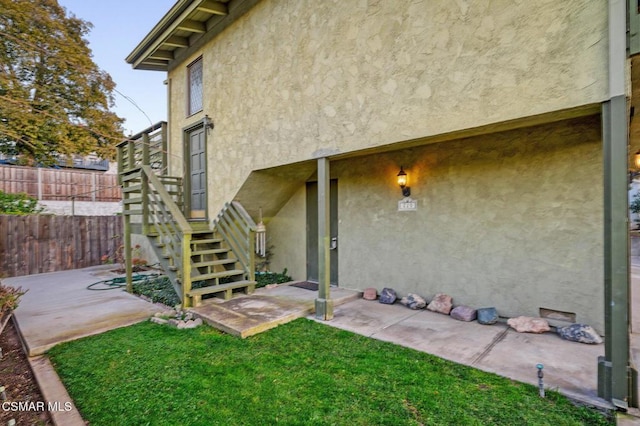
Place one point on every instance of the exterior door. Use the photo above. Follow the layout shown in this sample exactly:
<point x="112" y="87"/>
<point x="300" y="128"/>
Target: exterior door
<point x="312" y="231"/>
<point x="197" y="174"/>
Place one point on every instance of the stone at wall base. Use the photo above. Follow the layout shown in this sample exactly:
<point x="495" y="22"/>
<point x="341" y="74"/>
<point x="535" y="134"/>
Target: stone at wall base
<point x="529" y="324"/>
<point x="580" y="333"/>
<point x="388" y="296"/>
<point x="413" y="301"/>
<point x="487" y="316"/>
<point x="441" y="303"/>
<point x="370" y="294"/>
<point x="463" y="313"/>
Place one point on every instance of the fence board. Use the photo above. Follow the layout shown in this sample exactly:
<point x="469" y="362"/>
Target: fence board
<point x="58" y="184"/>
<point x="38" y="243"/>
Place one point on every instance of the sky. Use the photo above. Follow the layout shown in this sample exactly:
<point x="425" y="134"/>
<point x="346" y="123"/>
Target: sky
<point x="118" y="27"/>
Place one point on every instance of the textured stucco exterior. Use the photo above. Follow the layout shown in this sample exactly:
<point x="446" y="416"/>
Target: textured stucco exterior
<point x="288" y="237"/>
<point x="293" y="78"/>
<point x="511" y="219"/>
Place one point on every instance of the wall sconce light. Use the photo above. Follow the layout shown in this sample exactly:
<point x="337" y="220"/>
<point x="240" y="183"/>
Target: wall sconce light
<point x="636" y="160"/>
<point x="208" y="123"/>
<point x="402" y="182"/>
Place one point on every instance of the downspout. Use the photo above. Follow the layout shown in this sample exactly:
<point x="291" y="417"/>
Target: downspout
<point x="616" y="378"/>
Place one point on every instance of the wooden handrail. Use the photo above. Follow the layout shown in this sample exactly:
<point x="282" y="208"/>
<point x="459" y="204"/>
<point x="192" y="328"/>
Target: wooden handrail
<point x="174" y="210"/>
<point x="237" y="228"/>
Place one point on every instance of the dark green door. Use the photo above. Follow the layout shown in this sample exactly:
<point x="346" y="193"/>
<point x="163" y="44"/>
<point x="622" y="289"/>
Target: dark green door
<point x="197" y="174"/>
<point x="312" y="231"/>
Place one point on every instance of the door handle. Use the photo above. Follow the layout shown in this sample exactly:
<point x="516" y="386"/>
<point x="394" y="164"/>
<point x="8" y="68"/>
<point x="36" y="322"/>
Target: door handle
<point x="334" y="243"/>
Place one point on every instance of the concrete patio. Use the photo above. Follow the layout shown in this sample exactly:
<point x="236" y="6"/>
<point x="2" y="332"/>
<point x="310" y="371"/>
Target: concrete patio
<point x="58" y="307"/>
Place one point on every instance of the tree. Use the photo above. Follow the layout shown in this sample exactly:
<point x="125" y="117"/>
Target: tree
<point x="53" y="98"/>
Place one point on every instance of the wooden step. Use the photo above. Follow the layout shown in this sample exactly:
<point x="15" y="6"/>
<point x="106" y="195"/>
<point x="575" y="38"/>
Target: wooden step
<point x="214" y="275"/>
<point x="209" y="251"/>
<point x="197" y="293"/>
<point x="214" y="262"/>
<point x="206" y="241"/>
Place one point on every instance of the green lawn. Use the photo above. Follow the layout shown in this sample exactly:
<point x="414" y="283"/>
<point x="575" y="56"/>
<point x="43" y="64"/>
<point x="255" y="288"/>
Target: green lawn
<point x="301" y="373"/>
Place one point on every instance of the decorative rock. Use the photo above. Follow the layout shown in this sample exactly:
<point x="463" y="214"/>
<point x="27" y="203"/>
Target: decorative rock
<point x="441" y="303"/>
<point x="370" y="294"/>
<point x="197" y="321"/>
<point x="159" y="320"/>
<point x="487" y="316"/>
<point x="388" y="296"/>
<point x="463" y="313"/>
<point x="174" y="322"/>
<point x="581" y="333"/>
<point x="529" y="324"/>
<point x="270" y="286"/>
<point x="413" y="301"/>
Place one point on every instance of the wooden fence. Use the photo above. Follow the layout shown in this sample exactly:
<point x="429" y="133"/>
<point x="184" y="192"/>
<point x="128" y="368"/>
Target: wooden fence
<point x="38" y="243"/>
<point x="60" y="184"/>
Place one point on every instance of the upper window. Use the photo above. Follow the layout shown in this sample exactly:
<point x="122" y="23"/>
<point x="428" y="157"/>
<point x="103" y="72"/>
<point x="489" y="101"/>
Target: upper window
<point x="195" y="86"/>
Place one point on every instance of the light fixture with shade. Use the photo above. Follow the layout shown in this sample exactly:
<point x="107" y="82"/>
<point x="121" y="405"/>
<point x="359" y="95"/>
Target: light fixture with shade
<point x="402" y="182"/>
<point x="636" y="160"/>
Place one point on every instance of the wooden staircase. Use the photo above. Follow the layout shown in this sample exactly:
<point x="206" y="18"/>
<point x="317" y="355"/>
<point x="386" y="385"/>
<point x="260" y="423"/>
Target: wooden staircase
<point x="214" y="268"/>
<point x="198" y="260"/>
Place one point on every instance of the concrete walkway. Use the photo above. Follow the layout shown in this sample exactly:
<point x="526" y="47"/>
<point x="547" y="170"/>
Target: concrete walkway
<point x="569" y="367"/>
<point x="58" y="307"/>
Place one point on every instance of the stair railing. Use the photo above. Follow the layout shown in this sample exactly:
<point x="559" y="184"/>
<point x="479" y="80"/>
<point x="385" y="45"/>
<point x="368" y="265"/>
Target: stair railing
<point x="156" y="199"/>
<point x="173" y="229"/>
<point x="236" y="227"/>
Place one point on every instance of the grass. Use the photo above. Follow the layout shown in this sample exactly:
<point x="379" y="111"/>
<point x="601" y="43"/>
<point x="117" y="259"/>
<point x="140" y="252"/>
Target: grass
<point x="301" y="373"/>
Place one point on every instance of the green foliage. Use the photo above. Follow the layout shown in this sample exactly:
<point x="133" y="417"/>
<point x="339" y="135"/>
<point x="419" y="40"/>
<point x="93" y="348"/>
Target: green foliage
<point x="53" y="98"/>
<point x="265" y="278"/>
<point x="159" y="290"/>
<point x="18" y="204"/>
<point x="301" y="373"/>
<point x="634" y="206"/>
<point x="9" y="297"/>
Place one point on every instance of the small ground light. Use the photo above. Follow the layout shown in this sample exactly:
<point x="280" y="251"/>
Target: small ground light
<point x="540" y="382"/>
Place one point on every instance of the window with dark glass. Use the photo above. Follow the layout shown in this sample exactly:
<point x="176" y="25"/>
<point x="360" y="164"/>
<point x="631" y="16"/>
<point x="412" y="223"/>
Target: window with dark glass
<point x="195" y="86"/>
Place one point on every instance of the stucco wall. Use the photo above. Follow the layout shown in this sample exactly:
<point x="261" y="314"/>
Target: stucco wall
<point x="287" y="234"/>
<point x="293" y="78"/>
<point x="511" y="220"/>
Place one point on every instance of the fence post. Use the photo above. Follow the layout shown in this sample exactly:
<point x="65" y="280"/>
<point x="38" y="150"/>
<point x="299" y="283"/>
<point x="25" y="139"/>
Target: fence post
<point x="39" y="184"/>
<point x="93" y="187"/>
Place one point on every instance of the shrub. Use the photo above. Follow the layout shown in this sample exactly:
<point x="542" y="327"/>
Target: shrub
<point x="18" y="204"/>
<point x="9" y="298"/>
<point x="265" y="278"/>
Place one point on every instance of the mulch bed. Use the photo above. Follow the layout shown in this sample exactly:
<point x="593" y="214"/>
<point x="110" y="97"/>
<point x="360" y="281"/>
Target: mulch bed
<point x="20" y="384"/>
